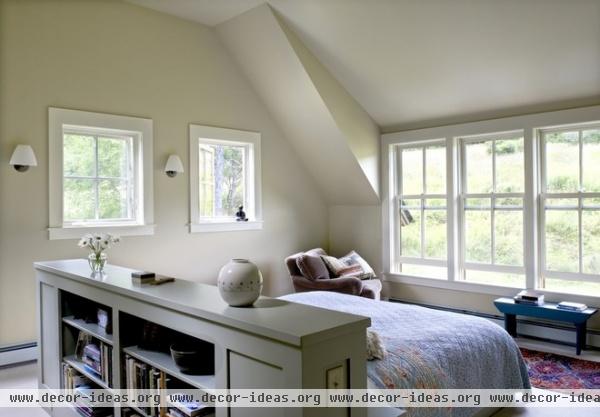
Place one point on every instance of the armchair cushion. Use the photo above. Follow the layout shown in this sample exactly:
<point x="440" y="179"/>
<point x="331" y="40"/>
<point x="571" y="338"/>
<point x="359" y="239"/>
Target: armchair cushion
<point x="351" y="265"/>
<point x="312" y="267"/>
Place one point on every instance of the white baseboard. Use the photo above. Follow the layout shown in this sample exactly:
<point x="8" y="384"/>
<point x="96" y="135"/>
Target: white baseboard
<point x="18" y="354"/>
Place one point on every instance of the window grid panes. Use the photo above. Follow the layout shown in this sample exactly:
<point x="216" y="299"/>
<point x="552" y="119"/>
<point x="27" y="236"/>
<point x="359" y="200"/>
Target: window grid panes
<point x="493" y="184"/>
<point x="570" y="213"/>
<point x="491" y="209"/>
<point x="421" y="215"/>
<point x="98" y="178"/>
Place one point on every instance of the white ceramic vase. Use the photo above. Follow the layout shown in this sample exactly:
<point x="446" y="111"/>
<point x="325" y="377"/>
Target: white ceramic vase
<point x="240" y="282"/>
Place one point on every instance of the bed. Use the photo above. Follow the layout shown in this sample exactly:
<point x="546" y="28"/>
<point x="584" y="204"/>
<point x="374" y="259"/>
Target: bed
<point x="429" y="349"/>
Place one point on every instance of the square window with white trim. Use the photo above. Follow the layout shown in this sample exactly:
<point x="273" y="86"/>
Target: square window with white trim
<point x="225" y="179"/>
<point x="100" y="174"/>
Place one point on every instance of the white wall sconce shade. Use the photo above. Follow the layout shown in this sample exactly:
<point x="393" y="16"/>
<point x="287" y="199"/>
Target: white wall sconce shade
<point x="173" y="166"/>
<point x="22" y="158"/>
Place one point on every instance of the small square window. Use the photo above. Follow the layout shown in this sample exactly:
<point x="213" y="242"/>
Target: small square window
<point x="225" y="178"/>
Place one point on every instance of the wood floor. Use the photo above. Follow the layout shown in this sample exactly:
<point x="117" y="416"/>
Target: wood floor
<point x="25" y="376"/>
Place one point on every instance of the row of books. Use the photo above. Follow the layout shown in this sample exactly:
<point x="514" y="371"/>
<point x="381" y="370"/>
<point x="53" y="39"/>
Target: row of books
<point x="80" y="384"/>
<point x="140" y="375"/>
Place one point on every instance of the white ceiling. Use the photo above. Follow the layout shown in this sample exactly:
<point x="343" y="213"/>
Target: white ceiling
<point x="422" y="63"/>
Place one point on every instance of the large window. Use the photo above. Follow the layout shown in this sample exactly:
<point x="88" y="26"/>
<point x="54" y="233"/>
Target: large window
<point x="421" y="209"/>
<point x="492" y="191"/>
<point x="225" y="176"/>
<point x="570" y="201"/>
<point x="508" y="203"/>
<point x="100" y="173"/>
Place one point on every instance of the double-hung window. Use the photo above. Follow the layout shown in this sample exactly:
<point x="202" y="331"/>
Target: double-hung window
<point x="570" y="208"/>
<point x="491" y="198"/>
<point x="497" y="205"/>
<point x="100" y="174"/>
<point x="225" y="179"/>
<point x="420" y="209"/>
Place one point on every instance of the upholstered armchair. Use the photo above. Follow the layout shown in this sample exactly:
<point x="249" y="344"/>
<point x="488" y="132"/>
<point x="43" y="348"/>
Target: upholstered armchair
<point x="313" y="277"/>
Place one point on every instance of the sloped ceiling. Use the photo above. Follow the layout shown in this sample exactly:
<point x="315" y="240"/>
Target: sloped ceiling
<point x="335" y="138"/>
<point x="430" y="62"/>
<point x="207" y="12"/>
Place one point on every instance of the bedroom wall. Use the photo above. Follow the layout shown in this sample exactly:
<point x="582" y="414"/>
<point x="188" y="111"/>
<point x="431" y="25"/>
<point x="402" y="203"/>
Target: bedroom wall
<point x="115" y="57"/>
<point x="357" y="228"/>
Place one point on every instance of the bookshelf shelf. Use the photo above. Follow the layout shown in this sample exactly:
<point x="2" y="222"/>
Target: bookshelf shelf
<point x="165" y="363"/>
<point x="91" y="328"/>
<point x="80" y="367"/>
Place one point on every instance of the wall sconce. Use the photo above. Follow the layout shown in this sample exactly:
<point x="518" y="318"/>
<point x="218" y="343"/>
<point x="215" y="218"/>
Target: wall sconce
<point x="173" y="166"/>
<point x="23" y="158"/>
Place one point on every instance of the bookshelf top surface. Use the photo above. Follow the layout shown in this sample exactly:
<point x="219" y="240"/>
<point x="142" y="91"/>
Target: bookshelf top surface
<point x="284" y="321"/>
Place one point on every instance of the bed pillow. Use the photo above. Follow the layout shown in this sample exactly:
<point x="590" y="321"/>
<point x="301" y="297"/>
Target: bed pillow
<point x="351" y="265"/>
<point x="312" y="267"/>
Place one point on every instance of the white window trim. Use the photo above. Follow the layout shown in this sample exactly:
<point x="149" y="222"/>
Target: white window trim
<point x="242" y="137"/>
<point x="398" y="191"/>
<point x="579" y="195"/>
<point x="135" y="126"/>
<point x="529" y="125"/>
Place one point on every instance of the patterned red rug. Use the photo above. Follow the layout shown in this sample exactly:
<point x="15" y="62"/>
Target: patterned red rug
<point x="550" y="371"/>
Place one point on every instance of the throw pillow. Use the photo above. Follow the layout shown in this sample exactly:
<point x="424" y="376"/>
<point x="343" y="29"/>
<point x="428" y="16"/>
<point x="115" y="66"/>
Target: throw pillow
<point x="312" y="267"/>
<point x="351" y="265"/>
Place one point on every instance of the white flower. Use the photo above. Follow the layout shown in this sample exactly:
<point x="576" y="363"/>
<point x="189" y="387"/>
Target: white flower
<point x="97" y="243"/>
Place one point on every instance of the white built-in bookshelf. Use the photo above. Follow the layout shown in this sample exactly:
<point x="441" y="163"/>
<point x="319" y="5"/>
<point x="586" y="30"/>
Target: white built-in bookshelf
<point x="274" y="344"/>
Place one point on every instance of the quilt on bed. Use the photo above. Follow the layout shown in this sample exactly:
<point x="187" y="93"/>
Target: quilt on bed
<point x="428" y="349"/>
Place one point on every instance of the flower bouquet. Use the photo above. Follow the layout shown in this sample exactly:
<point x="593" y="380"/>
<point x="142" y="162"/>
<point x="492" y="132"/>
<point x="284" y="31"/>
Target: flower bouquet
<point x="97" y="244"/>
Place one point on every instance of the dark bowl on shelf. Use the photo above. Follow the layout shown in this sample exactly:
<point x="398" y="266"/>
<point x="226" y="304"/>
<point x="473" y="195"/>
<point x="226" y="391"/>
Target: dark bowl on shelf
<point x="193" y="359"/>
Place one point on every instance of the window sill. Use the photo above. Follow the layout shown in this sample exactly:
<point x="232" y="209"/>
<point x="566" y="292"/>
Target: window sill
<point x="208" y="227"/>
<point x="76" y="232"/>
<point x="496" y="290"/>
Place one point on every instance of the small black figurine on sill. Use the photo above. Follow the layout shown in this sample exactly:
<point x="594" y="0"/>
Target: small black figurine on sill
<point x="240" y="216"/>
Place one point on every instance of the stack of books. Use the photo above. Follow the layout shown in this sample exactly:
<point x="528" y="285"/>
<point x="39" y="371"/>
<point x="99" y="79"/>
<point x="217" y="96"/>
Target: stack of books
<point x="178" y="408"/>
<point x="141" y="376"/>
<point x="84" y="405"/>
<point x="98" y="359"/>
<point x="529" y="297"/>
<point x="570" y="306"/>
